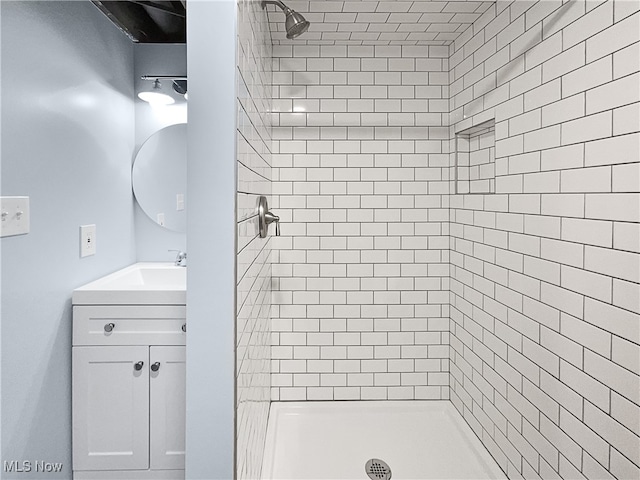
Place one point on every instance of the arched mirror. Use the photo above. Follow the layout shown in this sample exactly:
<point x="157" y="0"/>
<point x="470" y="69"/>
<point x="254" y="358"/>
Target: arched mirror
<point x="160" y="177"/>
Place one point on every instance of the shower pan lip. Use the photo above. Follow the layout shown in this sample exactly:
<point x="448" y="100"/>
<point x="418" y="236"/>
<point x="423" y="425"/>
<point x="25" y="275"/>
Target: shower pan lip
<point x="285" y="457"/>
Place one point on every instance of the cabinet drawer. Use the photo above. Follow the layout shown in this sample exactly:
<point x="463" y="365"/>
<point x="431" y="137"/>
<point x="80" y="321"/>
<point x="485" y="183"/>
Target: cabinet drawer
<point x="129" y="325"/>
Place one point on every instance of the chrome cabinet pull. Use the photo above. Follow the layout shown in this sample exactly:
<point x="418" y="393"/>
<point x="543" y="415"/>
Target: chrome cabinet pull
<point x="184" y="327"/>
<point x="138" y="366"/>
<point x="155" y="367"/>
<point x="109" y="327"/>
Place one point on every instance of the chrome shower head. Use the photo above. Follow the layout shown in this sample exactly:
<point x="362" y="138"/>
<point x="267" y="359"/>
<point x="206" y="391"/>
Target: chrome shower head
<point x="295" y="24"/>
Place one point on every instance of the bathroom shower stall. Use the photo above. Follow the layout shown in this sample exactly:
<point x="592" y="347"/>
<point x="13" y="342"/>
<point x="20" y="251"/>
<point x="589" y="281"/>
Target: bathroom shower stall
<point x="457" y="183"/>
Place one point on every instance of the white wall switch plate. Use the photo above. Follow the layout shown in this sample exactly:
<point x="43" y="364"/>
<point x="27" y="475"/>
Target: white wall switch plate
<point x="179" y="201"/>
<point x="14" y="214"/>
<point x="87" y="240"/>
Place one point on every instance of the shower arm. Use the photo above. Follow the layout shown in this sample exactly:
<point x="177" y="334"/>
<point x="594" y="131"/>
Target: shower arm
<point x="282" y="6"/>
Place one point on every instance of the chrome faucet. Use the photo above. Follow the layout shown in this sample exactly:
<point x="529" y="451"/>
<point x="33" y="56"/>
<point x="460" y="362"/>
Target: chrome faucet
<point x="181" y="258"/>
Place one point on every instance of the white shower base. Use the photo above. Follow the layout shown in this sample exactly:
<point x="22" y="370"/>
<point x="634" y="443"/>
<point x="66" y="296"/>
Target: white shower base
<point x="419" y="440"/>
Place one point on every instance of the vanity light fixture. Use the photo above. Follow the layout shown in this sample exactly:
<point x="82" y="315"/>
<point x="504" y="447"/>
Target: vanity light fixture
<point x="155" y="96"/>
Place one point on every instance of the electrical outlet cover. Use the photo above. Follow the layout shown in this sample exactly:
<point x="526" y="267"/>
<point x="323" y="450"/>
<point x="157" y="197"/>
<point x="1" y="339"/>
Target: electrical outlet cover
<point x="87" y="240"/>
<point x="15" y="216"/>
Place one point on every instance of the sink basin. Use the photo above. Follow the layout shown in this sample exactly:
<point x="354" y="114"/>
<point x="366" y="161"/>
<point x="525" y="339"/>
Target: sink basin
<point x="146" y="276"/>
<point x="137" y="284"/>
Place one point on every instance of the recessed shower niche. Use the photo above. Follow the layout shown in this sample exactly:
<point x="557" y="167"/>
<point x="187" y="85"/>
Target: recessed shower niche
<point x="475" y="170"/>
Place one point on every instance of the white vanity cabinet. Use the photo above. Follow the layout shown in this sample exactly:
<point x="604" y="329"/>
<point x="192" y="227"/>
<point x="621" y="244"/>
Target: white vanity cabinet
<point x="128" y="379"/>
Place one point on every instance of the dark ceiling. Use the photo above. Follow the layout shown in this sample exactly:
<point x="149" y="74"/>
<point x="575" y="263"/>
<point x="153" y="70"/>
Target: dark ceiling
<point x="148" y="21"/>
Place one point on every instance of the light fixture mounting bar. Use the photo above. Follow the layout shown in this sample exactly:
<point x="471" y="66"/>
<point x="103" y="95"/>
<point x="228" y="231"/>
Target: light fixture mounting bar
<point x="161" y="77"/>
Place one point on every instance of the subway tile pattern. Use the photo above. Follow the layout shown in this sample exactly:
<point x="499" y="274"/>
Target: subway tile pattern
<point x="521" y="305"/>
<point x="253" y="258"/>
<point x="545" y="273"/>
<point x="475" y="159"/>
<point x="361" y="271"/>
<point x="373" y="22"/>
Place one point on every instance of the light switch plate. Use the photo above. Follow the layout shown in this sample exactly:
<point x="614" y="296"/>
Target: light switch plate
<point x="180" y="201"/>
<point x="87" y="240"/>
<point x="14" y="214"/>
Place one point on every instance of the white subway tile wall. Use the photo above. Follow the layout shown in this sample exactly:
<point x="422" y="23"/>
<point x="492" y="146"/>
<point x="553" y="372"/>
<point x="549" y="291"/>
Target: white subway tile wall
<point x="545" y="273"/>
<point x="253" y="258"/>
<point x="384" y="22"/>
<point x="475" y="170"/>
<point x="361" y="271"/>
<point x="520" y="305"/>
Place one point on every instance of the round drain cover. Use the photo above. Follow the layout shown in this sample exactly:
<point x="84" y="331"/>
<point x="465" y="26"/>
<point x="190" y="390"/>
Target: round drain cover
<point x="377" y="469"/>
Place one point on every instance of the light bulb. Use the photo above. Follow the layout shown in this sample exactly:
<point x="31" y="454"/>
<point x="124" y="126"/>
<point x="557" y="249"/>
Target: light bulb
<point x="156" y="98"/>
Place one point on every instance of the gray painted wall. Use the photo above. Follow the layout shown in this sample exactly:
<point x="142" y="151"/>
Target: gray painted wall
<point x="67" y="142"/>
<point x="211" y="180"/>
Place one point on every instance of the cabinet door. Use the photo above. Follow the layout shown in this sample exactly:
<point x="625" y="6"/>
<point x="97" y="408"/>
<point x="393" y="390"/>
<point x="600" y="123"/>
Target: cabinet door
<point x="110" y="408"/>
<point x="168" y="407"/>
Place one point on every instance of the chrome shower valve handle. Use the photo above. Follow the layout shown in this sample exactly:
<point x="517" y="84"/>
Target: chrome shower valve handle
<point x="270" y="218"/>
<point x="266" y="218"/>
